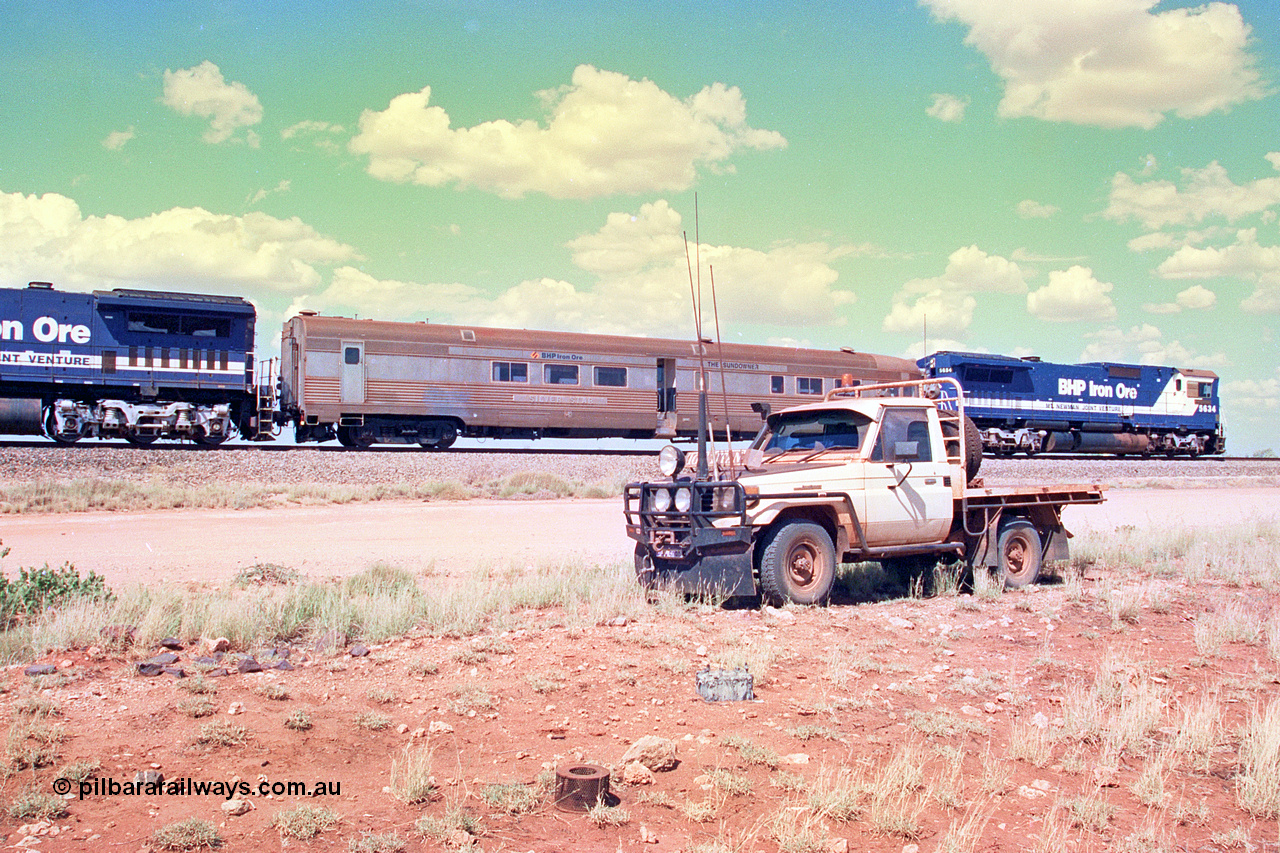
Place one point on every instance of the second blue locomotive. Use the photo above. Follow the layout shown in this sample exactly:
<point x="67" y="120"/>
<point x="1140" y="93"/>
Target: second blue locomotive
<point x="139" y="365"/>
<point x="1030" y="406"/>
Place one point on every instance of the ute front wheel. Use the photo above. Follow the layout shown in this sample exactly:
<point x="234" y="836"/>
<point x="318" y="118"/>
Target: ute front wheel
<point x="798" y="564"/>
<point x="1019" y="553"/>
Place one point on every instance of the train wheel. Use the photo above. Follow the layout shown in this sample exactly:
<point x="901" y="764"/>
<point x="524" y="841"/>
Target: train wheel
<point x="1019" y="552"/>
<point x="204" y="439"/>
<point x="354" y="437"/>
<point x="141" y="439"/>
<point x="51" y="430"/>
<point x="448" y="434"/>
<point x="798" y="564"/>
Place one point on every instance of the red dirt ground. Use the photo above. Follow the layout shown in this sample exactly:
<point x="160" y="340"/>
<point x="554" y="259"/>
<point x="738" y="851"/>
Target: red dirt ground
<point x="948" y="672"/>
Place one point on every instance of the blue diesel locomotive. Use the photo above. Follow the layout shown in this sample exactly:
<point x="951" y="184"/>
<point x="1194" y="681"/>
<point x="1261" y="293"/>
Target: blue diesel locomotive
<point x="1026" y="405"/>
<point x="139" y="365"/>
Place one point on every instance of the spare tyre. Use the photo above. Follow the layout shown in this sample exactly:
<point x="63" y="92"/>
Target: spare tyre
<point x="972" y="450"/>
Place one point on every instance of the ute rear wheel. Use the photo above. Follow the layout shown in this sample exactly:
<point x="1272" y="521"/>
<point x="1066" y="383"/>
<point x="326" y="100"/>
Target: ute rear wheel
<point x="798" y="564"/>
<point x="1019" y="553"/>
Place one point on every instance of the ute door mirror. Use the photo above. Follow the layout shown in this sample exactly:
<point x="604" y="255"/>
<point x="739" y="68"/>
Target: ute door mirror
<point x="754" y="458"/>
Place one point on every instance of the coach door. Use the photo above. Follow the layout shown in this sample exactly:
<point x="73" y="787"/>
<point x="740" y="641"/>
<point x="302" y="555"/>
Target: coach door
<point x="351" y="378"/>
<point x="666" y="385"/>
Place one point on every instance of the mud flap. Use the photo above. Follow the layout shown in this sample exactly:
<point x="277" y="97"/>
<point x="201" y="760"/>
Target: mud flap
<point x="716" y="575"/>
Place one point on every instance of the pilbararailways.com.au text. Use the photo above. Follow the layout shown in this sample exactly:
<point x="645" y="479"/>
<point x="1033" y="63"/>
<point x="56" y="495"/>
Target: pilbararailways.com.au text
<point x="189" y="787"/>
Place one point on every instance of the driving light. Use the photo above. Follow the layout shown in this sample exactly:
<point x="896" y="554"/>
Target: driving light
<point x="684" y="499"/>
<point x="725" y="499"/>
<point x="670" y="460"/>
<point x="661" y="500"/>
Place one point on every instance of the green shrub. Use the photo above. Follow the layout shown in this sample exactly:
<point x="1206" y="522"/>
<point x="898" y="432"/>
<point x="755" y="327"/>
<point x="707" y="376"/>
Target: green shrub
<point x="34" y="590"/>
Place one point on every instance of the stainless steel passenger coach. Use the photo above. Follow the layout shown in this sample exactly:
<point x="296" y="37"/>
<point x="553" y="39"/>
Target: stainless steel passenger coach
<point x="368" y="381"/>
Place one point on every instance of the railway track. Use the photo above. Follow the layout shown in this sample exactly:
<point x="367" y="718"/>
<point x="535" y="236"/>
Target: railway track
<point x="280" y="447"/>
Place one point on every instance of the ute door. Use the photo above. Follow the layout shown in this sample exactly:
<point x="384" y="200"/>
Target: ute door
<point x="908" y="482"/>
<point x="351" y="372"/>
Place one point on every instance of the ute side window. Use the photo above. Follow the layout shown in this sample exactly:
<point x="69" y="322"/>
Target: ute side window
<point x="903" y="437"/>
<point x="510" y="371"/>
<point x="611" y="377"/>
<point x="560" y="374"/>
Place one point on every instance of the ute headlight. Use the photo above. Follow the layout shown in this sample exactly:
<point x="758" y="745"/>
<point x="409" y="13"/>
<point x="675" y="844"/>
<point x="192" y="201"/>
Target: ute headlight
<point x="661" y="500"/>
<point x="684" y="500"/>
<point x="670" y="460"/>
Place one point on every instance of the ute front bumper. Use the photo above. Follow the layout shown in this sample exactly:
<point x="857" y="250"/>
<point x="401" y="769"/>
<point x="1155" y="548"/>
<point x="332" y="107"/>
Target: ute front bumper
<point x="706" y="549"/>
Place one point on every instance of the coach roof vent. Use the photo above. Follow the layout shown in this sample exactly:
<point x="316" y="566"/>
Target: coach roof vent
<point x="40" y="285"/>
<point x="307" y="312"/>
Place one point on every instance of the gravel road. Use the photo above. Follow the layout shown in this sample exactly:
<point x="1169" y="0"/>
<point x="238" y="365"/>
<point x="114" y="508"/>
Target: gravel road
<point x="443" y="535"/>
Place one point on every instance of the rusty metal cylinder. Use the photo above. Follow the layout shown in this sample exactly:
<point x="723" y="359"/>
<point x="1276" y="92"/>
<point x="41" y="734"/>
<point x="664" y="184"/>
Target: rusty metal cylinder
<point x="581" y="787"/>
<point x="19" y="416"/>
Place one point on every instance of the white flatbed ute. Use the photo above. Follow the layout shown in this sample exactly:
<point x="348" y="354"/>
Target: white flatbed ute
<point x="882" y="472"/>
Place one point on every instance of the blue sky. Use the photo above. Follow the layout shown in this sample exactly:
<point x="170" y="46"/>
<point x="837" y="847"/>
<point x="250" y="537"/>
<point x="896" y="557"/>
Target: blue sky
<point x="1075" y="179"/>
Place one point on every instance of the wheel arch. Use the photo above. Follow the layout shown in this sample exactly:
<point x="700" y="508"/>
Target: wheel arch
<point x="822" y="515"/>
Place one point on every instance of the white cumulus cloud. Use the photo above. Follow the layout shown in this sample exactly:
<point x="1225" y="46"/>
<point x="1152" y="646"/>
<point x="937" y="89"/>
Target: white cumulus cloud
<point x="1111" y="63"/>
<point x="605" y="133"/>
<point x="202" y="91"/>
<point x="947" y="301"/>
<point x="1245" y="259"/>
<point x="1204" y="193"/>
<point x="1145" y="344"/>
<point x="636" y="281"/>
<point x="948" y="108"/>
<point x="184" y="248"/>
<point x="1071" y="295"/>
<point x="118" y="139"/>
<point x="1030" y="209"/>
<point x="1194" y="298"/>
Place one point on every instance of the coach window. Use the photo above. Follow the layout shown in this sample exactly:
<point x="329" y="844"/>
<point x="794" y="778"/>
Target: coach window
<point x="808" y="385"/>
<point x="560" y="374"/>
<point x="777" y="385"/>
<point x="611" y="377"/>
<point x="351" y="355"/>
<point x="510" y="371"/>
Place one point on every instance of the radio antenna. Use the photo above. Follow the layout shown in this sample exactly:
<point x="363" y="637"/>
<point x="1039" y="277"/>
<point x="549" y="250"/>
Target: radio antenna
<point x="702" y="367"/>
<point x="724" y="391"/>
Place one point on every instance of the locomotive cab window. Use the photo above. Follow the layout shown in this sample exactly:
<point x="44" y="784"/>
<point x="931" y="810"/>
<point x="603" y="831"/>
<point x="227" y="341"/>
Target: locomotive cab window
<point x="155" y="323"/>
<point x="611" y="377"/>
<point x="351" y="355"/>
<point x="560" y="374"/>
<point x="510" y="371"/>
<point x="808" y="385"/>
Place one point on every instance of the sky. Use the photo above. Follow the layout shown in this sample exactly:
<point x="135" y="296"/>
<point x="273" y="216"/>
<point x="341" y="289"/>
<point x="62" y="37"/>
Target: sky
<point x="1082" y="180"/>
